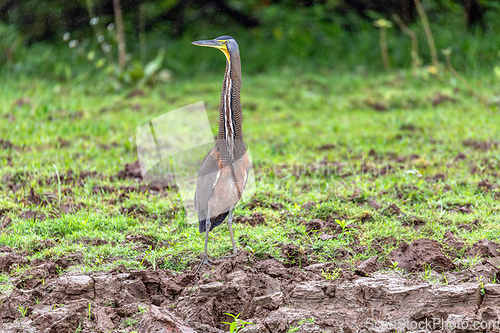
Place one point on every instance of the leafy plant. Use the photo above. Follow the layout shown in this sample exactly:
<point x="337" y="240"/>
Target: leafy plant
<point x="236" y="324"/>
<point x="129" y="322"/>
<point x="124" y="70"/>
<point x="23" y="310"/>
<point x="346" y="231"/>
<point x="153" y="254"/>
<point x="142" y="309"/>
<point x="472" y="261"/>
<point x="330" y="275"/>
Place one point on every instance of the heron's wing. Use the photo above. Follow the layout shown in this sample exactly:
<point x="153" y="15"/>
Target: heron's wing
<point x="207" y="177"/>
<point x="219" y="188"/>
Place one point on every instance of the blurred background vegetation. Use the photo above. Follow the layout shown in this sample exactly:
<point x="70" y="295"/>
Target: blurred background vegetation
<point x="68" y="40"/>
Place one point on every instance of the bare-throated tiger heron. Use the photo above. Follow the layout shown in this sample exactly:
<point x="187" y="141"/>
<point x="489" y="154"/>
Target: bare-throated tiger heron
<point x="224" y="171"/>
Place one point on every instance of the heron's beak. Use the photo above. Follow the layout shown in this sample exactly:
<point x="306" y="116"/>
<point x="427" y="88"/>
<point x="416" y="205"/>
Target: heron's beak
<point x="216" y="44"/>
<point x="209" y="43"/>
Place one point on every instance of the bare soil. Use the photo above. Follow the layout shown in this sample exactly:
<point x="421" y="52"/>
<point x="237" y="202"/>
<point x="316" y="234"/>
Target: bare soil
<point x="294" y="294"/>
<point x="274" y="296"/>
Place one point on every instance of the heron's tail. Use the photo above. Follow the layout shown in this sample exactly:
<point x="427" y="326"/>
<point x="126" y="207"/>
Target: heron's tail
<point x="216" y="222"/>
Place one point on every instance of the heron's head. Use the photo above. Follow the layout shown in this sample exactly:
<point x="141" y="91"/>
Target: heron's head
<point x="226" y="44"/>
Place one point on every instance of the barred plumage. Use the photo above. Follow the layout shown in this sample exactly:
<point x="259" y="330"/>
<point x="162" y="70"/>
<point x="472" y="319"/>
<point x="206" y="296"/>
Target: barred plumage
<point x="224" y="171"/>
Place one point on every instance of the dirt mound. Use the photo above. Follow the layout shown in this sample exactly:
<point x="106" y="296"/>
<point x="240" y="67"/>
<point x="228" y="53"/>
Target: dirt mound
<point x="264" y="204"/>
<point x="130" y="170"/>
<point x="253" y="220"/>
<point x="480" y="145"/>
<point x="266" y="293"/>
<point x="421" y="254"/>
<point x="322" y="227"/>
<point x="485" y="248"/>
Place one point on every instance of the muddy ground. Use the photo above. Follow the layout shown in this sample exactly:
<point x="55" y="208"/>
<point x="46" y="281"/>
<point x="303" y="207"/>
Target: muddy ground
<point x="426" y="288"/>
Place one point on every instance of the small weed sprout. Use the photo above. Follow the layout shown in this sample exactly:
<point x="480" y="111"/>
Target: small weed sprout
<point x="472" y="261"/>
<point x="42" y="280"/>
<point x="330" y="275"/>
<point x="428" y="273"/>
<point x="109" y="303"/>
<point x="299" y="324"/>
<point x="237" y="324"/>
<point x="129" y="322"/>
<point x="481" y="285"/>
<point x="445" y="280"/>
<point x="346" y="231"/>
<point x="153" y="254"/>
<point x="142" y="309"/>
<point x="59" y="270"/>
<point x="342" y="224"/>
<point x="429" y="276"/>
<point x="23" y="310"/>
<point x="89" y="311"/>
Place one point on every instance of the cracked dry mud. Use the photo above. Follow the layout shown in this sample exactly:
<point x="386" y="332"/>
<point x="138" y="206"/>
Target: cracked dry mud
<point x="273" y="297"/>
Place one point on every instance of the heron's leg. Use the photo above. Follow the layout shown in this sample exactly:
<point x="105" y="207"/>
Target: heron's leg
<point x="230" y="227"/>
<point x="205" y="260"/>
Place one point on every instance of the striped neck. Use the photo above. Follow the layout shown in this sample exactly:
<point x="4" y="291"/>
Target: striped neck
<point x="230" y="139"/>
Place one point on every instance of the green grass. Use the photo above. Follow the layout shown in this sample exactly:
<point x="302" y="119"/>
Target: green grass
<point x="287" y="118"/>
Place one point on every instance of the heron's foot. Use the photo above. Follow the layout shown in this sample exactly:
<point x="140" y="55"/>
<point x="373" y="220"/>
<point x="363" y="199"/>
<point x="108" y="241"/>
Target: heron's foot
<point x="204" y="261"/>
<point x="235" y="254"/>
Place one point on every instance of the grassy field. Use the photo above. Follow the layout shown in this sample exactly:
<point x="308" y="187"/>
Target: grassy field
<point x="386" y="158"/>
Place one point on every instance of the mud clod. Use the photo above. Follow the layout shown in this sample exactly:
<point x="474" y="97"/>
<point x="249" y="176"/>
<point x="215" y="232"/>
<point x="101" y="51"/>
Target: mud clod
<point x="485" y="248"/>
<point x="253" y="220"/>
<point x="480" y="145"/>
<point x="421" y="253"/>
<point x="9" y="259"/>
<point x="294" y="255"/>
<point x="460" y="157"/>
<point x="130" y="171"/>
<point x="454" y="245"/>
<point x="159" y="319"/>
<point x="391" y="210"/>
<point x="308" y="205"/>
<point x="328" y="146"/>
<point x="257" y="203"/>
<point x="412" y="221"/>
<point x="317" y="225"/>
<point x="368" y="267"/>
